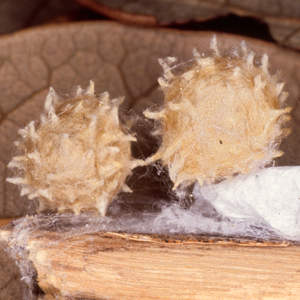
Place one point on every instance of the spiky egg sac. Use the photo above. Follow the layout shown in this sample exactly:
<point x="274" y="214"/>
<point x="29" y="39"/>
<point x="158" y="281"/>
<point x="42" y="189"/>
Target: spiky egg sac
<point x="223" y="115"/>
<point x="76" y="157"/>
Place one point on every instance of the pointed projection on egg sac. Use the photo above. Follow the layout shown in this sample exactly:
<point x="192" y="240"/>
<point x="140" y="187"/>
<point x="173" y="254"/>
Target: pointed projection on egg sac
<point x="223" y="114"/>
<point x="76" y="157"/>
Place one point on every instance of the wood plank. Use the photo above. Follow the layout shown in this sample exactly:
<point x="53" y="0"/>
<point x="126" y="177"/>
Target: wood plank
<point x="108" y="265"/>
<point x="116" y="266"/>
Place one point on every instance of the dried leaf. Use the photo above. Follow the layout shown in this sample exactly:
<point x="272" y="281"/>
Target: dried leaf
<point x="282" y="17"/>
<point x="18" y="14"/>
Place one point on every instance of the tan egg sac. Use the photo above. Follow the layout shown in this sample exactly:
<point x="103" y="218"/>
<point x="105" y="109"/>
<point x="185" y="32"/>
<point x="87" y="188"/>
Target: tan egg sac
<point x="222" y="115"/>
<point x="76" y="157"/>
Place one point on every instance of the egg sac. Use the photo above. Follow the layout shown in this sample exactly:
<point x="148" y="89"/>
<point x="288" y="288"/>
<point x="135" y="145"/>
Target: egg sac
<point x="77" y="156"/>
<point x="223" y="114"/>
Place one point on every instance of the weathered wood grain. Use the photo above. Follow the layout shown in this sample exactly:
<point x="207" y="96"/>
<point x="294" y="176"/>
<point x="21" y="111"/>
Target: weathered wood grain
<point x="103" y="266"/>
<point x="107" y="265"/>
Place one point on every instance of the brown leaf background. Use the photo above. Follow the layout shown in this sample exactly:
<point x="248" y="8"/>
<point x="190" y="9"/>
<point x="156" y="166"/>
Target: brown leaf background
<point x="121" y="60"/>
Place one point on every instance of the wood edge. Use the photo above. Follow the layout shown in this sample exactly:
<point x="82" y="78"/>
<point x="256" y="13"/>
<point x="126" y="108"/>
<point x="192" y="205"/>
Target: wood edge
<point x="166" y="240"/>
<point x="6" y="221"/>
<point x="6" y="229"/>
<point x="5" y="235"/>
<point x="201" y="240"/>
